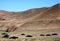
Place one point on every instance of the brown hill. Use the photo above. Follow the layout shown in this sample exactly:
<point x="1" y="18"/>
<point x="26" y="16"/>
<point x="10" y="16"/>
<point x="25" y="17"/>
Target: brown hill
<point x="33" y="19"/>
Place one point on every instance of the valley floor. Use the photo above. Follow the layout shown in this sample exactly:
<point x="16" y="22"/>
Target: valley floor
<point x="35" y="35"/>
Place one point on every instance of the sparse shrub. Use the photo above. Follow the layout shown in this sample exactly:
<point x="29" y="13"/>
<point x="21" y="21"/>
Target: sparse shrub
<point x="6" y="36"/>
<point x="4" y="33"/>
<point x="13" y="37"/>
<point x="54" y="34"/>
<point x="29" y="36"/>
<point x="57" y="39"/>
<point x="41" y="34"/>
<point x="33" y="39"/>
<point x="23" y="34"/>
<point x="48" y="35"/>
<point x="26" y="39"/>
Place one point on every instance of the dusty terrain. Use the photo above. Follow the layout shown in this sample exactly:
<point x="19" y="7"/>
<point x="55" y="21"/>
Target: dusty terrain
<point x="32" y="22"/>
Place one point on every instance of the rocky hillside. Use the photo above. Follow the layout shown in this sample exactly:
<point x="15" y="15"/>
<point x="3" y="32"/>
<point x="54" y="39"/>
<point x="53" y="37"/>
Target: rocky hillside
<point x="33" y="19"/>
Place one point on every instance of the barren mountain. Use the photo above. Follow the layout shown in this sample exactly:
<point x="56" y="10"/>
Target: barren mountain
<point x="32" y="19"/>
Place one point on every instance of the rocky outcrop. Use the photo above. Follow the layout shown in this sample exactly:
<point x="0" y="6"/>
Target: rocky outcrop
<point x="11" y="29"/>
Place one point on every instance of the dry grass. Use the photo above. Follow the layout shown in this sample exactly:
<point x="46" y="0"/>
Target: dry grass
<point x="31" y="39"/>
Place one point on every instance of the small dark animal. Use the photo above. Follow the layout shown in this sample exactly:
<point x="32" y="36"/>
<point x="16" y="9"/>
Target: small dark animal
<point x="41" y="34"/>
<point x="48" y="35"/>
<point x="13" y="37"/>
<point x="54" y="34"/>
<point x="29" y="36"/>
<point x="6" y="36"/>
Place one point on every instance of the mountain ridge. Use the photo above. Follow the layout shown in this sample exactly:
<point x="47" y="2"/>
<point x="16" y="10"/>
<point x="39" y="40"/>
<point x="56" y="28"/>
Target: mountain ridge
<point x="38" y="18"/>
